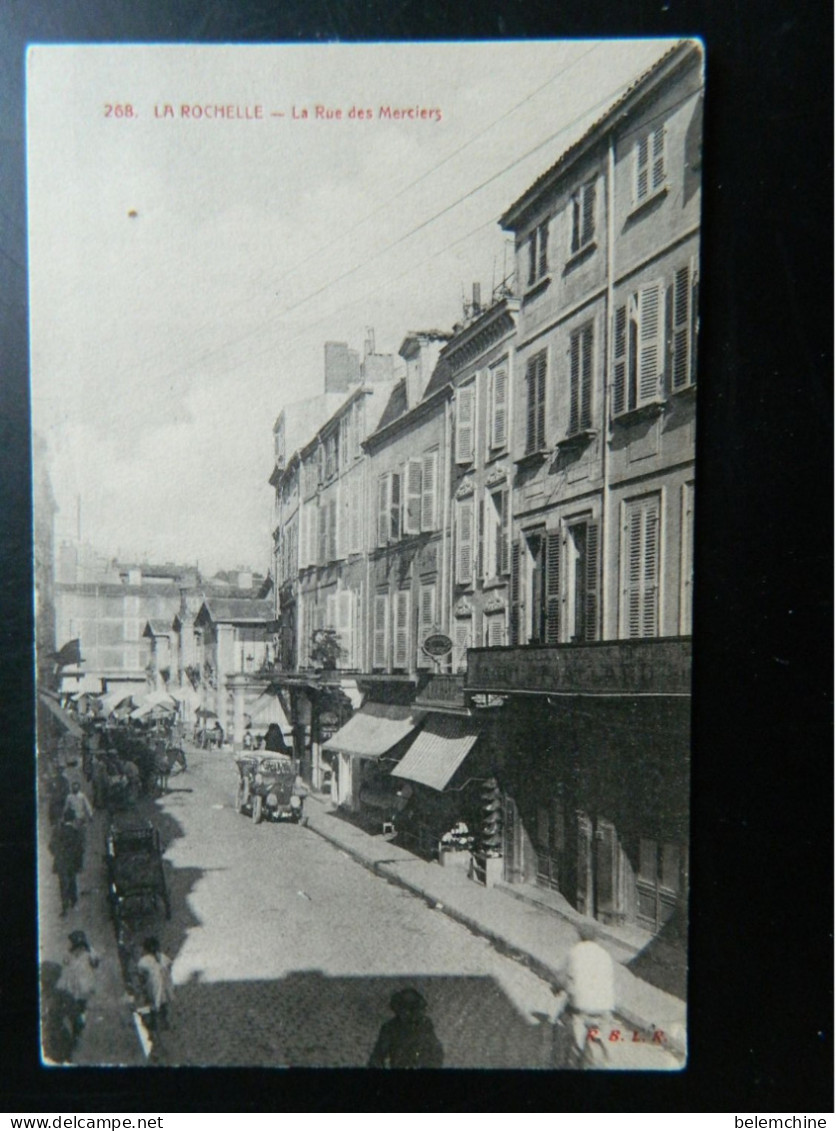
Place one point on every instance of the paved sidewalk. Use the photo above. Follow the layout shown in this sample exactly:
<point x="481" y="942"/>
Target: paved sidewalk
<point x="110" y="1036"/>
<point x="536" y="935"/>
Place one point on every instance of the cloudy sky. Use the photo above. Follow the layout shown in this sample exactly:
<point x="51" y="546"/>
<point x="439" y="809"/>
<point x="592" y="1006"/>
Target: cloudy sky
<point x="185" y="271"/>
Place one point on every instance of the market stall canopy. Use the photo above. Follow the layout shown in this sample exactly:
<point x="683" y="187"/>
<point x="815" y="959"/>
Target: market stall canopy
<point x="185" y="695"/>
<point x="438" y="751"/>
<point x="66" y="720"/>
<point x="112" y="700"/>
<point x="374" y="729"/>
<point x="267" y="709"/>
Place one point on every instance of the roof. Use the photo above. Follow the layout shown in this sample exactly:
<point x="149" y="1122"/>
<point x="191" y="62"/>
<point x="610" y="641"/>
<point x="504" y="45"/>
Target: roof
<point x="236" y="610"/>
<point x="396" y="406"/>
<point x="671" y="58"/>
<point x="441" y="376"/>
<point x="157" y="627"/>
<point x="438" y="751"/>
<point x="374" y="729"/>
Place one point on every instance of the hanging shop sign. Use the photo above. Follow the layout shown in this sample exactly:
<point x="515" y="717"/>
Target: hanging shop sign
<point x="436" y="645"/>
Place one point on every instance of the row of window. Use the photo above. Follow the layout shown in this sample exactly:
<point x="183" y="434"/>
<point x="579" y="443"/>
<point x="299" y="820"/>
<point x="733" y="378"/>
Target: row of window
<point x="654" y="334"/>
<point x="648" y="178"/>
<point x="407" y="499"/>
<point x="482" y="536"/>
<point x="467" y="405"/>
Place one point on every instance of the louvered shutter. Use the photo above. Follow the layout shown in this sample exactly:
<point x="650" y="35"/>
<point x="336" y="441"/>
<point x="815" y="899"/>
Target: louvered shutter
<point x="479" y="554"/>
<point x="650" y="586"/>
<point x="345" y="625"/>
<point x="681" y="331"/>
<point x="642" y="170"/>
<point x="619" y="392"/>
<point x="499" y="407"/>
<point x="650" y="344"/>
<point x="496" y="630"/>
<point x="355" y="504"/>
<point x="514" y="626"/>
<point x="395" y="508"/>
<point x="381" y="607"/>
<point x="401" y="629"/>
<point x="576" y="222"/>
<point x="332" y="530"/>
<point x="685" y="616"/>
<point x="574" y="383"/>
<point x="412" y="497"/>
<point x="323" y="534"/>
<point x="657" y="178"/>
<point x="553" y="587"/>
<point x="592" y="583"/>
<point x="633" y="564"/>
<point x="465" y="414"/>
<point x="588" y="217"/>
<point x="532" y="257"/>
<point x="426" y="622"/>
<point x="384" y="484"/>
<point x="504" y="528"/>
<point x="464" y="541"/>
<point x="462" y="633"/>
<point x="543" y="259"/>
<point x="429" y="491"/>
<point x="531" y="407"/>
<point x="541" y="401"/>
<point x="585" y="411"/>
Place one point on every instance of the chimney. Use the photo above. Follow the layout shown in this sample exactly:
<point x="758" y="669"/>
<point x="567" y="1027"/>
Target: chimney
<point x="369" y="340"/>
<point x="477" y="299"/>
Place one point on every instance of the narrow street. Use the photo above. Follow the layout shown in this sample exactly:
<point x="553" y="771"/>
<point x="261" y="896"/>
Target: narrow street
<point x="286" y="951"/>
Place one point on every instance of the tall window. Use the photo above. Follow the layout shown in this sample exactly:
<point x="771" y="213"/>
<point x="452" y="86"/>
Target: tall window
<point x="465" y="540"/>
<point x="639" y="349"/>
<point x="400" y="641"/>
<point x="388" y="508"/>
<point x="420" y="493"/>
<point x="498" y="424"/>
<point x="538" y="253"/>
<point x="497" y="520"/>
<point x="640" y="568"/>
<point x="649" y="163"/>
<point x="380" y="628"/>
<point x="583" y="216"/>
<point x="535" y="381"/>
<point x="684" y="328"/>
<point x="581" y="365"/>
<point x="465" y="422"/>
<point x="581" y="587"/>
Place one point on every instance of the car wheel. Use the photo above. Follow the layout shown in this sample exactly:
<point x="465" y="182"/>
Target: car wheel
<point x="239" y="799"/>
<point x="257" y="804"/>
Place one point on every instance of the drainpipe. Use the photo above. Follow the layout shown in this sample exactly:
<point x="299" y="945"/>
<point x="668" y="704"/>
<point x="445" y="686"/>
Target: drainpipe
<point x="606" y="626"/>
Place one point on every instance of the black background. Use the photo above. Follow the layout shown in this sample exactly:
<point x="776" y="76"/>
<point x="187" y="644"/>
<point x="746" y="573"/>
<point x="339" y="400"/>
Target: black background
<point x="761" y="950"/>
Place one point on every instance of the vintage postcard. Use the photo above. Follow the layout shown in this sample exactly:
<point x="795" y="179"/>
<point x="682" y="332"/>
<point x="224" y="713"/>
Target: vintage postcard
<point x="363" y="391"/>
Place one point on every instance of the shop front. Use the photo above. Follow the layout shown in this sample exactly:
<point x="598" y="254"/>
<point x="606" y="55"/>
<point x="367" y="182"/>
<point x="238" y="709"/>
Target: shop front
<point x="376" y="732"/>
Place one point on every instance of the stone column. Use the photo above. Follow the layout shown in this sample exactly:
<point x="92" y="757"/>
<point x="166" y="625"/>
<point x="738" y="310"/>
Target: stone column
<point x="237" y="684"/>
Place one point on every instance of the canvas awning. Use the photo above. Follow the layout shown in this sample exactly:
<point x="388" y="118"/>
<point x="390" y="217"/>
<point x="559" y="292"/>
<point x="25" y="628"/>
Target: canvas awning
<point x="66" y="720"/>
<point x="438" y="751"/>
<point x="267" y="709"/>
<point x="374" y="729"/>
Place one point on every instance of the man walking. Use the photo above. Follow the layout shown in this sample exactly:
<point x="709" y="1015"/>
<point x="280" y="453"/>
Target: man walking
<point x="67" y="847"/>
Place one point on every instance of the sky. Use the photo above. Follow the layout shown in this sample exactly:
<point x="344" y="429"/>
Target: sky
<point x="186" y="268"/>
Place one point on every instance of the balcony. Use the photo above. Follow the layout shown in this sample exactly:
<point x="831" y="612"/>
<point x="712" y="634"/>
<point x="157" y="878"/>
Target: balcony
<point x="659" y="666"/>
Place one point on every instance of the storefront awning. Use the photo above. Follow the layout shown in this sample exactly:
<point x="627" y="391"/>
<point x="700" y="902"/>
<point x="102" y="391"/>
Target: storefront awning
<point x="438" y="751"/>
<point x="374" y="729"/>
<point x="66" y="720"/>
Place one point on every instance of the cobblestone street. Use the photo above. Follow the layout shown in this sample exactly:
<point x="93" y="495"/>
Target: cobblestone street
<point x="286" y="951"/>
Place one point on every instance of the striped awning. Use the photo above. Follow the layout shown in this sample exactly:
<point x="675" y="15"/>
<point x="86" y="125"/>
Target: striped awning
<point x="374" y="729"/>
<point x="438" y="751"/>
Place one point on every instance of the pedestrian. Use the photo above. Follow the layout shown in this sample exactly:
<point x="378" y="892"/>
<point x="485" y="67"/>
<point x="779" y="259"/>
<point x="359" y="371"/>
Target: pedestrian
<point x="78" y="805"/>
<point x="587" y="1001"/>
<point x="59" y="791"/>
<point x="67" y="848"/>
<point x="99" y="778"/>
<point x="78" y="980"/>
<point x="155" y="970"/>
<point x="408" y="1039"/>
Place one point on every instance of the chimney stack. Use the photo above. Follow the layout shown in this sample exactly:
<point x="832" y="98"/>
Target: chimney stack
<point x="477" y="299"/>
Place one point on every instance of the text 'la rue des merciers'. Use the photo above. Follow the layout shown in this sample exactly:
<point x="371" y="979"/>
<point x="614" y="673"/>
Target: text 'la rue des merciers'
<point x="315" y="112"/>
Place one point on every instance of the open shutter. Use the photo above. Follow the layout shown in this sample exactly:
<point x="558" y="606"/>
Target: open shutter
<point x="543" y="259"/>
<point x="532" y="257"/>
<point x="465" y="414"/>
<point x="384" y="484"/>
<point x="355" y="501"/>
<point x="504" y="527"/>
<point x="531" y="406"/>
<point x="464" y="541"/>
<point x="429" y="492"/>
<point x="480" y="537"/>
<point x="585" y="409"/>
<point x="633" y="552"/>
<point x="681" y="331"/>
<point x="588" y="216"/>
<point x="381" y="608"/>
<point x="395" y="507"/>
<point x="574" y="383"/>
<point x="591" y="583"/>
<point x="499" y="407"/>
<point x="514" y="627"/>
<point x="651" y="331"/>
<point x="540" y="441"/>
<point x="642" y="167"/>
<point x="657" y="170"/>
<point x="401" y="629"/>
<point x="426" y="622"/>
<point x="553" y="587"/>
<point x="462" y="632"/>
<point x="619" y="391"/>
<point x="345" y="627"/>
<point x="650" y="604"/>
<point x="412" y="497"/>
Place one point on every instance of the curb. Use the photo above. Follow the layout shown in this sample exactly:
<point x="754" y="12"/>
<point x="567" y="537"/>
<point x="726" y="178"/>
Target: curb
<point x="542" y="969"/>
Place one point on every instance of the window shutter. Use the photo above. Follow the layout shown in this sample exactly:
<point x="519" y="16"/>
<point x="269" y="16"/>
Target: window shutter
<point x="412" y="500"/>
<point x="499" y="414"/>
<point x="465" y="412"/>
<point x="576" y="222"/>
<point x="355" y="500"/>
<point x="633" y="565"/>
<point x="641" y="565"/>
<point x="619" y="396"/>
<point x="462" y="633"/>
<point x="395" y="508"/>
<point x="591" y="583"/>
<point x="323" y="534"/>
<point x="574" y="383"/>
<point x="480" y="537"/>
<point x="496" y="630"/>
<point x="384" y="485"/>
<point x="464" y="541"/>
<point x="335" y="532"/>
<point x="686" y="609"/>
<point x="531" y="413"/>
<point x="504" y="527"/>
<point x="642" y="172"/>
<point x="401" y="636"/>
<point x="553" y="587"/>
<point x="681" y="333"/>
<point x="515" y="594"/>
<point x="429" y="493"/>
<point x="381" y="607"/>
<point x="588" y="218"/>
<point x="426" y="622"/>
<point x="651" y="330"/>
<point x="541" y="401"/>
<point x="543" y="260"/>
<point x="532" y="257"/>
<point x="658" y="166"/>
<point x="585" y="411"/>
<point x="650" y="604"/>
<point x="331" y="611"/>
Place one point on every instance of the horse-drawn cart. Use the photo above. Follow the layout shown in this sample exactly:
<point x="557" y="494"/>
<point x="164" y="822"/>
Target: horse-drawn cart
<point x="135" y="873"/>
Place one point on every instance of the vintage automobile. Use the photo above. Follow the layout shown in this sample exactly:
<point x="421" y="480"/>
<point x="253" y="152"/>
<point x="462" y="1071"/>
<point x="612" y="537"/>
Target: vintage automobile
<point x="266" y="787"/>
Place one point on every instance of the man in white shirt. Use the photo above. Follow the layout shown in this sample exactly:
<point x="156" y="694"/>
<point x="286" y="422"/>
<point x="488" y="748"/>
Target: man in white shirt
<point x="584" y="1016"/>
